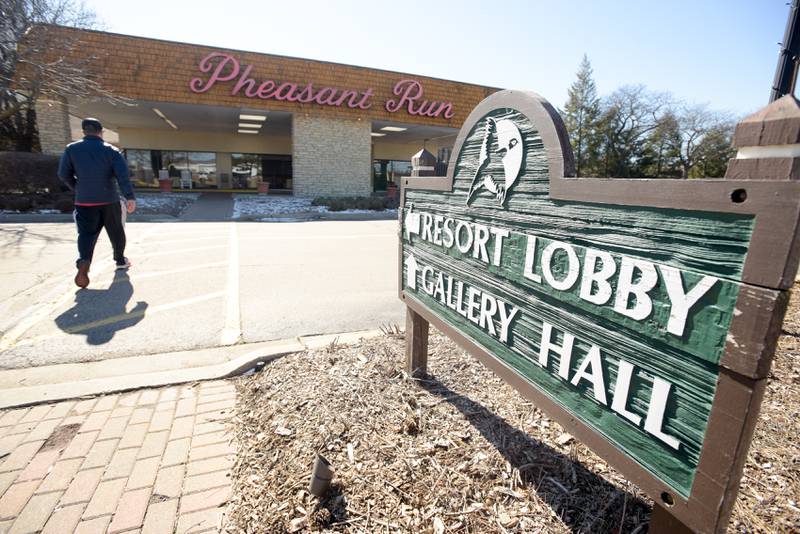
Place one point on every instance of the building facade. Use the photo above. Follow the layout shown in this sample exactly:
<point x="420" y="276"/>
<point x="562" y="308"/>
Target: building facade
<point x="213" y="119"/>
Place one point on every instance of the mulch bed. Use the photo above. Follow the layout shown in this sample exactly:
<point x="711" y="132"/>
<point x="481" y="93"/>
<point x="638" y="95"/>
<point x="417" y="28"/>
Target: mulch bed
<point x="461" y="451"/>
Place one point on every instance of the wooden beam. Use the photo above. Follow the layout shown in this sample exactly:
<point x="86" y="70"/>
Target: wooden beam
<point x="416" y="344"/>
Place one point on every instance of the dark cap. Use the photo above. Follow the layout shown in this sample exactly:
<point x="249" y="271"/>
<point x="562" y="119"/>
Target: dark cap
<point x="91" y="123"/>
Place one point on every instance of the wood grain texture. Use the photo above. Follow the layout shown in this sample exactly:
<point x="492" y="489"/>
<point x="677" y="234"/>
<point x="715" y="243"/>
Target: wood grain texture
<point x="416" y="344"/>
<point x="698" y="243"/>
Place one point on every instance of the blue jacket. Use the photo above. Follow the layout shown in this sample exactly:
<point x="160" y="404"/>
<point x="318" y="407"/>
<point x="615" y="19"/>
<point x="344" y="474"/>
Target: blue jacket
<point x="89" y="167"/>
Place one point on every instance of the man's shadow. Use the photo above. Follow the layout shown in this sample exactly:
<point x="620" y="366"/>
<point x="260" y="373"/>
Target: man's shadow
<point x="99" y="313"/>
<point x="584" y="501"/>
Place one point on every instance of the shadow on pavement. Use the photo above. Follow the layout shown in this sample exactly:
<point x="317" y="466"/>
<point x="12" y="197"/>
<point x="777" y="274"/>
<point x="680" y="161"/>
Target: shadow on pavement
<point x="98" y="314"/>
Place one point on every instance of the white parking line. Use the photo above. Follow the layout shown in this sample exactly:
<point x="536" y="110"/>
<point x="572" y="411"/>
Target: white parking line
<point x="180" y="251"/>
<point x="43" y="244"/>
<point x="205" y="237"/>
<point x="135" y="277"/>
<point x="232" y="331"/>
<point x="42" y="312"/>
<point x="122" y="317"/>
<point x="313" y="237"/>
<point x="29" y="320"/>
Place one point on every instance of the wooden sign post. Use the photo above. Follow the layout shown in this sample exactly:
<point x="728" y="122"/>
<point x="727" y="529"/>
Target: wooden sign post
<point x="642" y="315"/>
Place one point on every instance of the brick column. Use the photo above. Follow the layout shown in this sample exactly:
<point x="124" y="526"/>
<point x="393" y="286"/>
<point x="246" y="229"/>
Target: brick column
<point x="331" y="156"/>
<point x="52" y="120"/>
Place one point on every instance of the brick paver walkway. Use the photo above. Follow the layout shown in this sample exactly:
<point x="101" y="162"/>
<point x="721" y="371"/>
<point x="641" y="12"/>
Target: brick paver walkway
<point x="150" y="461"/>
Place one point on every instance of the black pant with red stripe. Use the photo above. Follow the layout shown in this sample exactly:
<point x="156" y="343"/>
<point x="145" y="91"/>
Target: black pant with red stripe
<point x="91" y="220"/>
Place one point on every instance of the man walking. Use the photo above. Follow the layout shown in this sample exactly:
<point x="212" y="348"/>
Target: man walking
<point x="97" y="172"/>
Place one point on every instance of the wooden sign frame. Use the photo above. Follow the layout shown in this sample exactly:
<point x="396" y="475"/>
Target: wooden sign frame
<point x="769" y="270"/>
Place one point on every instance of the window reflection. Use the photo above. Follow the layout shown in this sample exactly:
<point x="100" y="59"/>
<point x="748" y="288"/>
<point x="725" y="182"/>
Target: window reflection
<point x="247" y="170"/>
<point x="141" y="168"/>
<point x="187" y="169"/>
<point x="203" y="166"/>
<point x="385" y="171"/>
<point x="198" y="170"/>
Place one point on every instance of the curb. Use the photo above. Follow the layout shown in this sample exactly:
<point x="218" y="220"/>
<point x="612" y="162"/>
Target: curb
<point x="377" y="216"/>
<point x="67" y="217"/>
<point x="118" y="374"/>
<point x="35" y="217"/>
<point x="270" y="218"/>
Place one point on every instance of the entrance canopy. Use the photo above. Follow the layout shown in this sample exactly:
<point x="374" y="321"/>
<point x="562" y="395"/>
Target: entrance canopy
<point x="225" y="147"/>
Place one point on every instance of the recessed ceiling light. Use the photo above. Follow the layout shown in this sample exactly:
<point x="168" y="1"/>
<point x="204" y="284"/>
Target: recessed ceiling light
<point x="248" y="131"/>
<point x="393" y="129"/>
<point x="249" y="125"/>
<point x="252" y="117"/>
<point x="376" y="134"/>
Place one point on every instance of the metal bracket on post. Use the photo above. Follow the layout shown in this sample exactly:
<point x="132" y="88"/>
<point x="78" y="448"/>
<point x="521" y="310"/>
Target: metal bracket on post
<point x="416" y="344"/>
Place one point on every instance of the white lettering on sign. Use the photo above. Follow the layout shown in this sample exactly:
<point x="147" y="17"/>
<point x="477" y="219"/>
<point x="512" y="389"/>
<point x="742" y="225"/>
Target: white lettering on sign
<point x="634" y="281"/>
<point x="621" y="390"/>
<point x="573" y="266"/>
<point x="490" y="313"/>
<point x="427" y="285"/>
<point x="592" y="276"/>
<point x="495" y="316"/>
<point x="682" y="302"/>
<point x="437" y="229"/>
<point x="591" y="370"/>
<point x="627" y="287"/>
<point x="530" y="255"/>
<point x="481" y="238"/>
<point x="655" y="412"/>
<point x="622" y="283"/>
<point x="411" y="271"/>
<point x="463" y="245"/>
<point x="564" y="351"/>
<point x="499" y="234"/>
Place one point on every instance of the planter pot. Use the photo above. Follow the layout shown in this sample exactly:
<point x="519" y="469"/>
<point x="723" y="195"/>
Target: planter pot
<point x="263" y="188"/>
<point x="165" y="186"/>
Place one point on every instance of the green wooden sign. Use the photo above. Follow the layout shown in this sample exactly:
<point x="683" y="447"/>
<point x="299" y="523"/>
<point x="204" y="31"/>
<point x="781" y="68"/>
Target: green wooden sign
<point x="622" y="305"/>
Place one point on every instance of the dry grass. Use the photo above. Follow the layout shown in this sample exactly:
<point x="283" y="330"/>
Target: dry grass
<point x="460" y="451"/>
<point x="770" y="488"/>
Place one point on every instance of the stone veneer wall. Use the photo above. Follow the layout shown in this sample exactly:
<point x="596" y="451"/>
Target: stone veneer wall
<point x="52" y="120"/>
<point x="331" y="156"/>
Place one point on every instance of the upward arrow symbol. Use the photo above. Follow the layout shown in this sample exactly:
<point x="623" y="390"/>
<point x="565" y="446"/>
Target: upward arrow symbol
<point x="411" y="271"/>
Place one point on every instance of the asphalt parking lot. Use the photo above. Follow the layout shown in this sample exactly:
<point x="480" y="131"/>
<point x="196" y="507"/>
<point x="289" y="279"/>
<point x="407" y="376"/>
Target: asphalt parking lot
<point x="192" y="286"/>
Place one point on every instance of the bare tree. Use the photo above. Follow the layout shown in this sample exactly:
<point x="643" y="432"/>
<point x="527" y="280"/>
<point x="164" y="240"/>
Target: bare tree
<point x="703" y="136"/>
<point x="39" y="59"/>
<point x="630" y="114"/>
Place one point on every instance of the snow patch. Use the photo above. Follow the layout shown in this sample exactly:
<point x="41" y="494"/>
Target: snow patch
<point x="254" y="206"/>
<point x="262" y="207"/>
<point x="172" y="203"/>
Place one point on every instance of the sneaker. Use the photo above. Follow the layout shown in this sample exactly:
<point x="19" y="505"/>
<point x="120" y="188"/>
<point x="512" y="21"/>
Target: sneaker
<point x="124" y="264"/>
<point x="82" y="278"/>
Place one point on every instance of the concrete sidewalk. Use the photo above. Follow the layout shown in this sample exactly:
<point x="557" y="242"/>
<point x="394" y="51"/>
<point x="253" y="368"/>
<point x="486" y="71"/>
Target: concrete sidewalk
<point x="49" y="383"/>
<point x="209" y="207"/>
<point x="149" y="461"/>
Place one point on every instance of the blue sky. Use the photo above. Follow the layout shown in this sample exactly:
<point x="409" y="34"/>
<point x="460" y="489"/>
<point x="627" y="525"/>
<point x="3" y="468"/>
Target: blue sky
<point x="705" y="51"/>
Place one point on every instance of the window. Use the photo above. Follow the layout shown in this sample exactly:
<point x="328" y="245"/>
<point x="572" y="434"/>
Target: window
<point x="249" y="169"/>
<point x="140" y="165"/>
<point x="201" y="166"/>
<point x="385" y="171"/>
<point x="245" y="171"/>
